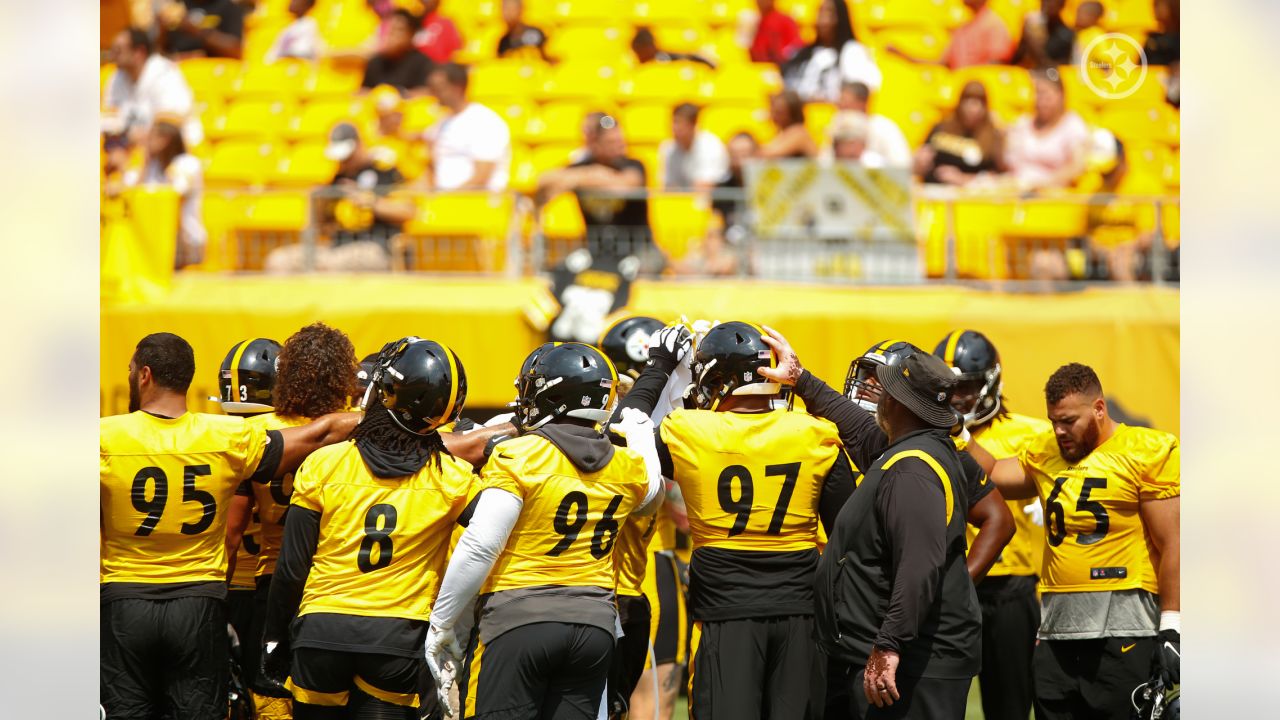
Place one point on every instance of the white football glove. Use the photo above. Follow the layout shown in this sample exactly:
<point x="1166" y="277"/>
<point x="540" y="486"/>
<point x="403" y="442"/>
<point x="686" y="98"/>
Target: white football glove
<point x="632" y="421"/>
<point x="673" y="341"/>
<point x="444" y="652"/>
<point x="499" y="419"/>
<point x="1035" y="512"/>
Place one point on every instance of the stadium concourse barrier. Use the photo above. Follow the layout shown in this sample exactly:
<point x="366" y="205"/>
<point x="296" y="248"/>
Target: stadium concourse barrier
<point x="1128" y="333"/>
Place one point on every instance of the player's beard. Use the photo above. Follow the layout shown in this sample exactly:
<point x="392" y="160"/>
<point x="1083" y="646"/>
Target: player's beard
<point x="135" y="397"/>
<point x="1082" y="445"/>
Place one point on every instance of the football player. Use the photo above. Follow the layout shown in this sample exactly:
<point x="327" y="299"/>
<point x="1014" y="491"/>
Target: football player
<point x="1109" y="586"/>
<point x="539" y="548"/>
<point x="1010" y="609"/>
<point x="166" y="478"/>
<point x="755" y="480"/>
<point x="314" y="375"/>
<point x="365" y="541"/>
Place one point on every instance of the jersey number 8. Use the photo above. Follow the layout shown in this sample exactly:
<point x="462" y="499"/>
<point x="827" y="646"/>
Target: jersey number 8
<point x="377" y="537"/>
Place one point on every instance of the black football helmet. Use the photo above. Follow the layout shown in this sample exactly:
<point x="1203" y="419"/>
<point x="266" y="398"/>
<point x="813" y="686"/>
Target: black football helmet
<point x="565" y="380"/>
<point x="626" y="343"/>
<point x="364" y="371"/>
<point x="863" y="369"/>
<point x="1152" y="700"/>
<point x="421" y="382"/>
<point x="247" y="376"/>
<point x="977" y="363"/>
<point x="725" y="363"/>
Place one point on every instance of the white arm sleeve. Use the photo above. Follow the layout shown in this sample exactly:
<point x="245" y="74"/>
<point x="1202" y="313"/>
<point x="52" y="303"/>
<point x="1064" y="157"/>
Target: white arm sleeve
<point x="639" y="434"/>
<point x="496" y="514"/>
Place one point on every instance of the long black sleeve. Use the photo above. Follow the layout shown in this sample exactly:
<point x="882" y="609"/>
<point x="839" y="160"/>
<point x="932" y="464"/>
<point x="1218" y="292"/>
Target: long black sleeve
<point x="301" y="535"/>
<point x="647" y="390"/>
<point x="912" y="508"/>
<point x="836" y="489"/>
<point x="859" y="433"/>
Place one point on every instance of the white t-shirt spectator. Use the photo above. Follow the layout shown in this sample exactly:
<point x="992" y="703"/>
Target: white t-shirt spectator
<point x="818" y="78"/>
<point x="885" y="139"/>
<point x="1035" y="157"/>
<point x="185" y="174"/>
<point x="458" y="142"/>
<point x="161" y="89"/>
<point x="706" y="162"/>
<point x="300" y="39"/>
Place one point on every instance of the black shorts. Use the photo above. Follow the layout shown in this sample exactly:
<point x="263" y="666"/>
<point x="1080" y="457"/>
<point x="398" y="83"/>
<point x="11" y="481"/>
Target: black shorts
<point x="251" y="648"/>
<point x="547" y="670"/>
<point x="632" y="651"/>
<point x="753" y="668"/>
<point x="240" y="615"/>
<point x="669" y="619"/>
<point x="164" y="657"/>
<point x="1090" y="678"/>
<point x="330" y="678"/>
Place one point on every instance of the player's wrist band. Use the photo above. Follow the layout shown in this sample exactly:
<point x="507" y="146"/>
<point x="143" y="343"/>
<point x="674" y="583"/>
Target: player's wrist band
<point x="1171" y="620"/>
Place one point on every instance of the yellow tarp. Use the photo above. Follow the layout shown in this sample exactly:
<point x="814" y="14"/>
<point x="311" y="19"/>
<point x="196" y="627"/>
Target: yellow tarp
<point x="1129" y="335"/>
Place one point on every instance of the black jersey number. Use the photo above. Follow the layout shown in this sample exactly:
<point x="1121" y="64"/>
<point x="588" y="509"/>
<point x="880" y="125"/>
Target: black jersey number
<point x="740" y="504"/>
<point x="154" y="506"/>
<point x="571" y="518"/>
<point x="1057" y="520"/>
<point x="379" y="522"/>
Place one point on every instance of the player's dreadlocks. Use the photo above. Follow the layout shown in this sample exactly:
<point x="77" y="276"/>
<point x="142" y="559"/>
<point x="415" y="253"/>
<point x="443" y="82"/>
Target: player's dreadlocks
<point x="390" y="449"/>
<point x="1069" y="379"/>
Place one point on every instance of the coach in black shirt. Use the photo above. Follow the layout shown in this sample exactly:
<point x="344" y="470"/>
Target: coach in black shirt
<point x="893" y="594"/>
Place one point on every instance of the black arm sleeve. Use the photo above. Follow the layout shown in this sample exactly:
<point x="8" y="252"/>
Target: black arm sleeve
<point x="836" y="489"/>
<point x="664" y="455"/>
<point x="976" y="484"/>
<point x="913" y="512"/>
<point x="646" y="391"/>
<point x="859" y="433"/>
<point x="270" y="462"/>
<point x="301" y="535"/>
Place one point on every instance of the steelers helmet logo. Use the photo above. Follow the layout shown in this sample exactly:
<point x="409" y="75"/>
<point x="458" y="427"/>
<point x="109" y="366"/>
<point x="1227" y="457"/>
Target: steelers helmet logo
<point x="638" y="346"/>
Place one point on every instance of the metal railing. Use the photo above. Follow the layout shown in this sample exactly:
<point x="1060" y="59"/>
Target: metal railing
<point x="958" y="236"/>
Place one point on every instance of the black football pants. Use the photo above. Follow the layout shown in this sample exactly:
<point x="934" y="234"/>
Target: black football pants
<point x="1010" y="619"/>
<point x="753" y="669"/>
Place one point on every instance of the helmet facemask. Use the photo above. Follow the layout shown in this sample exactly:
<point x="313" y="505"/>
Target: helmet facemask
<point x="861" y="385"/>
<point x="985" y="389"/>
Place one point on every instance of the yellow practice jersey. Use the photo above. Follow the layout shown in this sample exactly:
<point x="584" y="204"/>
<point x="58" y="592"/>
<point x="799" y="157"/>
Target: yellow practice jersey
<point x="570" y="520"/>
<point x="383" y="542"/>
<point x="165" y="485"/>
<point x="1007" y="437"/>
<point x="751" y="481"/>
<point x="247" y="556"/>
<point x="1093" y="534"/>
<point x="272" y="499"/>
<point x="631" y="553"/>
<point x="664" y="532"/>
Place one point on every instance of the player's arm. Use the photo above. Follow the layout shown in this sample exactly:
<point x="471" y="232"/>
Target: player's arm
<point x="298" y="549"/>
<point x="836" y="489"/>
<point x="470" y="445"/>
<point x="1011" y="479"/>
<point x="989" y="514"/>
<point x="668" y="347"/>
<point x="637" y="429"/>
<point x="238" y="516"/>
<point x="299" y="442"/>
<point x="1161" y="521"/>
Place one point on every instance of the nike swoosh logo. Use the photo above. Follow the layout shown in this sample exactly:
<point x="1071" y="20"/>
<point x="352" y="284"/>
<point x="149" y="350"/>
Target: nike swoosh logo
<point x="1127" y="648"/>
<point x="504" y="456"/>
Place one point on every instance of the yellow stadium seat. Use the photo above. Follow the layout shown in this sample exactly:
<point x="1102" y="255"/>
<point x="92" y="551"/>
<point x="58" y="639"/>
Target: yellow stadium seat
<point x="479" y="44"/>
<point x="880" y="14"/>
<point x="521" y="119"/>
<point x="253" y="118"/>
<point x="552" y="157"/>
<point x="1159" y="123"/>
<point x="316" y="118"/>
<point x="588" y="43"/>
<point x="817" y="116"/>
<point x="915" y="121"/>
<point x="240" y="162"/>
<point x="585" y="11"/>
<point x="260" y="35"/>
<point x="727" y="13"/>
<point x="461" y="213"/>
<point x="420" y="113"/>
<point x="286" y="78"/>
<point x="558" y="122"/>
<point x="459" y="232"/>
<point x="346" y="25"/>
<point x="524" y="176"/>
<point x="562" y="218"/>
<point x="724" y="49"/>
<point x="647" y="123"/>
<point x="585" y="82"/>
<point x="471" y="12"/>
<point x="1173" y="172"/>
<point x="751" y="84"/>
<point x="505" y="79"/>
<point x="1006" y="85"/>
<point x="339" y="81"/>
<point x="681" y="37"/>
<point x="802" y="11"/>
<point x="1148" y="167"/>
<point x="304" y="165"/>
<point x="647" y="154"/>
<point x="906" y="82"/>
<point x="211" y="76"/>
<point x="1047" y="219"/>
<point x="1013" y="13"/>
<point x="1135" y="16"/>
<point x="664" y="82"/>
<point x="926" y="42"/>
<point x="656" y="13"/>
<point x="262" y="222"/>
<point x="725" y="121"/>
<point x="269" y="9"/>
<point x="679" y="221"/>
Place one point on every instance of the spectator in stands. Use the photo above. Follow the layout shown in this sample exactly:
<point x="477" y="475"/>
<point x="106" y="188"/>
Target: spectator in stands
<point x="646" y="50"/>
<point x="144" y="86"/>
<point x="1088" y="27"/>
<point x="849" y="132"/>
<point x="300" y="38"/>
<point x="692" y="159"/>
<point x="777" y="36"/>
<point x="389" y="139"/>
<point x="1048" y="148"/>
<point x="966" y="145"/>
<point x="398" y="63"/>
<point x="1163" y="45"/>
<point x="166" y="162"/>
<point x="590" y="123"/>
<point x="439" y="38"/>
<point x="724" y="251"/>
<point x="609" y="187"/>
<point x="1046" y="40"/>
<point x="815" y="72"/>
<point x="786" y="109"/>
<point x="471" y="148"/>
<point x="984" y="40"/>
<point x="884" y="136"/>
<point x="520" y="40"/>
<point x="201" y="28"/>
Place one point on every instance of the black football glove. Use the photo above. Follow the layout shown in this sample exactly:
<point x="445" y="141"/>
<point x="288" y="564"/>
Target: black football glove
<point x="669" y="345"/>
<point x="1167" y="661"/>
<point x="273" y="668"/>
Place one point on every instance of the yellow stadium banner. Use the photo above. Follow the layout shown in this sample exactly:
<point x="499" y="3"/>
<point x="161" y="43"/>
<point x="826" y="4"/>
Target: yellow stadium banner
<point x="1129" y="335"/>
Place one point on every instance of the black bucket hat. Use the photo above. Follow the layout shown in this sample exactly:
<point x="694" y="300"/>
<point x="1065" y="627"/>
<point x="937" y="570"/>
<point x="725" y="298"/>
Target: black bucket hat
<point x="924" y="384"/>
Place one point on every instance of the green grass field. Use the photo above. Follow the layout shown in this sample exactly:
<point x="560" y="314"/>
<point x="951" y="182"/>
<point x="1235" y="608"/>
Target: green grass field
<point x="972" y="712"/>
